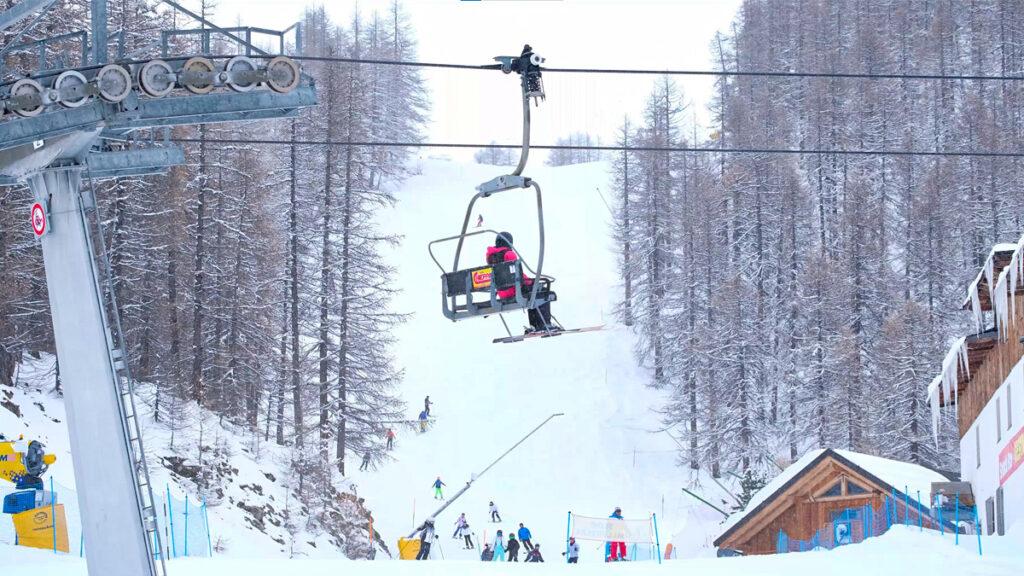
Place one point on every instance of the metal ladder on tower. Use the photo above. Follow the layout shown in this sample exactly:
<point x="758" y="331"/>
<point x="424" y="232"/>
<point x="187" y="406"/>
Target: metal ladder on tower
<point x="123" y="382"/>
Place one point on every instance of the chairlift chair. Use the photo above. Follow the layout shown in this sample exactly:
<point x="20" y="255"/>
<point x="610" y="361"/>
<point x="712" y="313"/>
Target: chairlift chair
<point x="458" y="286"/>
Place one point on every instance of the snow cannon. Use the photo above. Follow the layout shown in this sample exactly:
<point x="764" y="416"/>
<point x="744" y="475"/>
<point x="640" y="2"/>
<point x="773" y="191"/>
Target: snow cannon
<point x="34" y="510"/>
<point x="24" y="462"/>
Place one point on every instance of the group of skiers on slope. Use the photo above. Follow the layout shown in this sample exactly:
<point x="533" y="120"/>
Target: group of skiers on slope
<point x="497" y="552"/>
<point x="390" y="435"/>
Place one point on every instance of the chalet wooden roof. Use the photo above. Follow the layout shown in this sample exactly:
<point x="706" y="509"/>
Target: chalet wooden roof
<point x="1000" y="256"/>
<point x="809" y="468"/>
<point x="978" y="347"/>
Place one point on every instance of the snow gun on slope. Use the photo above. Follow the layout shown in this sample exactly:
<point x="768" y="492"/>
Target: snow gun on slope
<point x="38" y="521"/>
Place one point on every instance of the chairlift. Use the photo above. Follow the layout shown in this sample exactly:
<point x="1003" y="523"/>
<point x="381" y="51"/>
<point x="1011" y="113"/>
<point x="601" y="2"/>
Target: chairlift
<point x="459" y="286"/>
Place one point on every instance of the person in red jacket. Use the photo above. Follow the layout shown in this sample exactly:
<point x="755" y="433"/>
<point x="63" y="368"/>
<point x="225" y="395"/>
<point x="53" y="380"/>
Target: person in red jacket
<point x="540" y="317"/>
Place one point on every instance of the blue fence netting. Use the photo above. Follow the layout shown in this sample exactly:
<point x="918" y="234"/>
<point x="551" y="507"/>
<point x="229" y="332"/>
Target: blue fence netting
<point x="854" y="525"/>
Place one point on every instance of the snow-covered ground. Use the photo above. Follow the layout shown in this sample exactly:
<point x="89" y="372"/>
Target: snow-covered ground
<point x="900" y="552"/>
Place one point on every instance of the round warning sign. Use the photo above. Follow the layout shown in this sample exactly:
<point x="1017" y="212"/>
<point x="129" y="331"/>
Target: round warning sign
<point x="39" y="223"/>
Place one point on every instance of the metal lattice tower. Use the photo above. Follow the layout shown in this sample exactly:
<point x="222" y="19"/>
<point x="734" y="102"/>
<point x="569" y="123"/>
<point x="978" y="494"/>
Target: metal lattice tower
<point x="61" y="125"/>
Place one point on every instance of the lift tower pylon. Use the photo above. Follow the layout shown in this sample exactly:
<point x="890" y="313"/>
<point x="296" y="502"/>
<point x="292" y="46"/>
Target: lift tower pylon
<point x="56" y="128"/>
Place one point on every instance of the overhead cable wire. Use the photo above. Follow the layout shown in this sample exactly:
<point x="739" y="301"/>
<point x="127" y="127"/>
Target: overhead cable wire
<point x="670" y="72"/>
<point x="669" y="149"/>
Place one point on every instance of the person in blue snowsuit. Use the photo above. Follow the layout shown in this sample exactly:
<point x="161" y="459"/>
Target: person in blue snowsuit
<point x="499" y="547"/>
<point x="524" y="537"/>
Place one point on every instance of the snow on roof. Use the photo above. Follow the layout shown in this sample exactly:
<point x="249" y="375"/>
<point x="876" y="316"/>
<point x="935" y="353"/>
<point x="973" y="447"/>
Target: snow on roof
<point x="903" y="476"/>
<point x="911" y="479"/>
<point x="1001" y="291"/>
<point x="769" y="490"/>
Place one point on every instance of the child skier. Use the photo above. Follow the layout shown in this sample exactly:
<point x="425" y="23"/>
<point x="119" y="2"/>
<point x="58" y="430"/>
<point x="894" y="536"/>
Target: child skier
<point x="437" y="489"/>
<point x="423" y="422"/>
<point x="540" y="317"/>
<point x="460" y="524"/>
<point x="487" y="555"/>
<point x="573" y="551"/>
<point x="495" y="517"/>
<point x="513" y="548"/>
<point x="534" y="555"/>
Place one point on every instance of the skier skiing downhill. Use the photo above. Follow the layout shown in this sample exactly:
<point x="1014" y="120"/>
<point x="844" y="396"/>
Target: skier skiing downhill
<point x="616" y="550"/>
<point x="480" y="220"/>
<point x="426" y="406"/>
<point x="437" y="489"/>
<point x="540" y="317"/>
<point x="391" y="438"/>
<point x="468" y="536"/>
<point x="460" y="525"/>
<point x="426" y="531"/>
<point x="495" y="517"/>
<point x="423" y="422"/>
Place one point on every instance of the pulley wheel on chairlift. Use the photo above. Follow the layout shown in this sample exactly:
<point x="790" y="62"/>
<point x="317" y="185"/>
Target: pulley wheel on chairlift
<point x="114" y="83"/>
<point x="199" y="65"/>
<point x="240" y="64"/>
<point x="27" y="87"/>
<point x="156" y="78"/>
<point x="71" y="89"/>
<point x="283" y="74"/>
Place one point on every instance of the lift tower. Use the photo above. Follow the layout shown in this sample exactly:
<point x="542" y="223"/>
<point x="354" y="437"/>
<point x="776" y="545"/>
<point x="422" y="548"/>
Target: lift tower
<point x="60" y="124"/>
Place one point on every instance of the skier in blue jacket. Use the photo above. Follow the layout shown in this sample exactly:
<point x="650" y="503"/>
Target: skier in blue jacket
<point x="524" y="537"/>
<point x="616" y="550"/>
<point x="437" y="489"/>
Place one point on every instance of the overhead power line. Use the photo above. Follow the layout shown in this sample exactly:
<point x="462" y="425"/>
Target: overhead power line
<point x="670" y="149"/>
<point x="737" y="73"/>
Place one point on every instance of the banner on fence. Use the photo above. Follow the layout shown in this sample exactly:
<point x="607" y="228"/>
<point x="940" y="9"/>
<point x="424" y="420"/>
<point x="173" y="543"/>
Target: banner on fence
<point x="612" y="529"/>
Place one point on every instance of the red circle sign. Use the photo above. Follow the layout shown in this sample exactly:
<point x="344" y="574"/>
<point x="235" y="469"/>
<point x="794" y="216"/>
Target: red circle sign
<point x="38" y="219"/>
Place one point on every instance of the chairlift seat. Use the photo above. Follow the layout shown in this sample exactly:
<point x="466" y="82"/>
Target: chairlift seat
<point x="458" y="288"/>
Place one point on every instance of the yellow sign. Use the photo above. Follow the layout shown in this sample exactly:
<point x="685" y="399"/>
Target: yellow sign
<point x="408" y="549"/>
<point x="482" y="279"/>
<point x="35" y="528"/>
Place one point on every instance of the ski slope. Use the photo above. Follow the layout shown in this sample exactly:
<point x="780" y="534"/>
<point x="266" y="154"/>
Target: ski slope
<point x="604" y="452"/>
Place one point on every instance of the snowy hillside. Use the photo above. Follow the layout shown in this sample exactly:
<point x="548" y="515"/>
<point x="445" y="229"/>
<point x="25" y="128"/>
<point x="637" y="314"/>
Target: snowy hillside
<point x="604" y="452"/>
<point x="248" y="490"/>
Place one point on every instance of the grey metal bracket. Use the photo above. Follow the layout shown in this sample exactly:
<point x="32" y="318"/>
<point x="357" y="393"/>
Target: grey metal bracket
<point x="505" y="182"/>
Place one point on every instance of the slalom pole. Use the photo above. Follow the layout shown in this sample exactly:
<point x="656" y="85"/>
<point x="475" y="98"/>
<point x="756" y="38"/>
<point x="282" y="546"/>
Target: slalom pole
<point x="906" y="506"/>
<point x="170" y="518"/>
<point x="921" y="525"/>
<point x="186" y="524"/>
<point x="568" y="523"/>
<point x="942" y="529"/>
<point x="977" y="528"/>
<point x="657" y="540"/>
<point x="206" y="518"/>
<point x="53" y="514"/>
<point x="958" y="518"/>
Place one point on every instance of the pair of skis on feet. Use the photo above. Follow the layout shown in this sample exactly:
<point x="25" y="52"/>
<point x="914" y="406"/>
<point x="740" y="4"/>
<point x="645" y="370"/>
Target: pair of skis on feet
<point x="545" y="334"/>
<point x="550" y="332"/>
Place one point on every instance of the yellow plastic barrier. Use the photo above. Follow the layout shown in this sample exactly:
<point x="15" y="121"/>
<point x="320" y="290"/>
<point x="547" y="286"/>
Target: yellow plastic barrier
<point x="408" y="549"/>
<point x="35" y="528"/>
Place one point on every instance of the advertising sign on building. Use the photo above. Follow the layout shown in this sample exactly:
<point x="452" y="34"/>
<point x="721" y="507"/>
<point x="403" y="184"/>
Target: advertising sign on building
<point x="1011" y="457"/>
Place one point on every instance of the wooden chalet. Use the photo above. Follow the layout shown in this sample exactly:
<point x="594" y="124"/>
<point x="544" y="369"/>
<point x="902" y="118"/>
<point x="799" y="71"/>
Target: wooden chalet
<point x="818" y="489"/>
